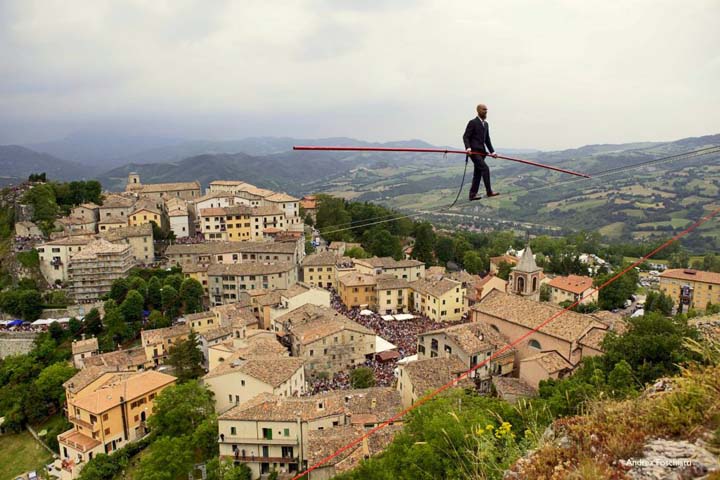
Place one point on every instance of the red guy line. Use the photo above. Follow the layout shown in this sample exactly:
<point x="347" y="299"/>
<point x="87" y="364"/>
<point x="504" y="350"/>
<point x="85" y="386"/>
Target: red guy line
<point x="438" y="150"/>
<point x="507" y="347"/>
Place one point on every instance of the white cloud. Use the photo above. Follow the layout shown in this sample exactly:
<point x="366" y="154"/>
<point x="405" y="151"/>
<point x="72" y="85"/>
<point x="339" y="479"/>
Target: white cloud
<point x="555" y="74"/>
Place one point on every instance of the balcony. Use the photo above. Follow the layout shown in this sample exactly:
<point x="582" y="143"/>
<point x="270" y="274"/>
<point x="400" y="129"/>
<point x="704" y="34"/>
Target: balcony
<point x="284" y="441"/>
<point x="82" y="423"/>
<point x="240" y="458"/>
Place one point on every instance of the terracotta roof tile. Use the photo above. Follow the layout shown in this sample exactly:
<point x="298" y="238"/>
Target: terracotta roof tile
<point x="128" y="389"/>
<point x="272" y="370"/>
<point x="569" y="325"/>
<point x="433" y="373"/>
<point x="551" y="361"/>
<point x="691" y="275"/>
<point x="84" y="346"/>
<point x="573" y="283"/>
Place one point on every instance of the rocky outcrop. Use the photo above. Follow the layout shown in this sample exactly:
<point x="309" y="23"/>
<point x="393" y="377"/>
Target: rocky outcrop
<point x="672" y="460"/>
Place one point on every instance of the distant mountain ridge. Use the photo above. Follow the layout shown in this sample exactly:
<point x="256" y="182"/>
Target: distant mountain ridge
<point x="18" y="162"/>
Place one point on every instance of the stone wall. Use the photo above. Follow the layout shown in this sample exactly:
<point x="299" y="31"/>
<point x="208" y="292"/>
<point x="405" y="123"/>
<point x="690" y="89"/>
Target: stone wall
<point x="16" y="343"/>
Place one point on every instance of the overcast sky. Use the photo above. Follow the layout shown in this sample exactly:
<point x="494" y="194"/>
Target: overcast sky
<point x="555" y="74"/>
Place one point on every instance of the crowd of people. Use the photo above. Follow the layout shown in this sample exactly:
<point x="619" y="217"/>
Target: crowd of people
<point x="401" y="333"/>
<point x="25" y="244"/>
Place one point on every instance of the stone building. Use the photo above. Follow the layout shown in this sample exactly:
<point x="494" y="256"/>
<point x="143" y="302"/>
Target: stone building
<point x="92" y="271"/>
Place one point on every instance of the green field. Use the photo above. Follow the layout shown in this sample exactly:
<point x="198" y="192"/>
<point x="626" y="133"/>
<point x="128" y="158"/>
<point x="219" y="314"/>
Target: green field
<point x="20" y="453"/>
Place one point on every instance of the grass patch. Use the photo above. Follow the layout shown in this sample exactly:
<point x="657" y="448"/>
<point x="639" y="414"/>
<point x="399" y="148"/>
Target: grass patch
<point x="29" y="259"/>
<point x="613" y="230"/>
<point x="20" y="453"/>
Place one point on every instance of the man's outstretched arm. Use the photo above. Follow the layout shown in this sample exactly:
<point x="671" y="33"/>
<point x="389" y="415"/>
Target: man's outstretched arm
<point x="488" y="142"/>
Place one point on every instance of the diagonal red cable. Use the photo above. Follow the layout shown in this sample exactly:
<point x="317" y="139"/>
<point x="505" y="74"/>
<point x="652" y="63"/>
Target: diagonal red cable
<point x="507" y="347"/>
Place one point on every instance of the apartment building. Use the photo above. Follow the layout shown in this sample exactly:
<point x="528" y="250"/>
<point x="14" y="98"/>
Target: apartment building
<point x="228" y="282"/>
<point x="691" y="288"/>
<point x="181" y="217"/>
<point x="92" y="271"/>
<point x="235" y="252"/>
<point x="392" y="294"/>
<point x="116" y="207"/>
<point x="110" y="223"/>
<point x="184" y="190"/>
<point x="441" y="300"/>
<point x="237" y="379"/>
<point x="140" y="239"/>
<point x="107" y="415"/>
<point x="409" y="270"/>
<point x="320" y="269"/>
<point x="418" y="378"/>
<point x="283" y="433"/>
<point x="325" y="339"/>
<point x="358" y="290"/>
<point x="149" y="210"/>
<point x="201" y="322"/>
<point x="472" y="344"/>
<point x="55" y="256"/>
<point x="571" y="289"/>
<point x="158" y="342"/>
<point x="88" y="211"/>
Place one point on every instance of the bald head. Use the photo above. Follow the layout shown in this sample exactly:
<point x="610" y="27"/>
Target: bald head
<point x="482" y="111"/>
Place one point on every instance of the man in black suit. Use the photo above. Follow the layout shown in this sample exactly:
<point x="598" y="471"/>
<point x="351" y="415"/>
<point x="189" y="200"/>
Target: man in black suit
<point x="476" y="137"/>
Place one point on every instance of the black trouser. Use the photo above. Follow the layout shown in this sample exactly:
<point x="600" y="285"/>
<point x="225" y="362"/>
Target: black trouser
<point x="481" y="170"/>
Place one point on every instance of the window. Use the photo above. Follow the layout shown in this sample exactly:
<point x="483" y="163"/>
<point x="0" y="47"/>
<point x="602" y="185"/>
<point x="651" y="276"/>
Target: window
<point x="233" y="431"/>
<point x="534" y="344"/>
<point x="287" y="432"/>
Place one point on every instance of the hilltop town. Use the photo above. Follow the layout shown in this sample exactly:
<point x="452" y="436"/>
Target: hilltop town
<point x="294" y="335"/>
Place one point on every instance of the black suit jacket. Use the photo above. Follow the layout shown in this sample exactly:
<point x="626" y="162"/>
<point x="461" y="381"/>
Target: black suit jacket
<point x="477" y="136"/>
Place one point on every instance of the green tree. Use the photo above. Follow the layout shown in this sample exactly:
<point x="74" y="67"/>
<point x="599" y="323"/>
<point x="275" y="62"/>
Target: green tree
<point x="93" y="324"/>
<point x="653" y="346"/>
<point x="309" y="247"/>
<point x="119" y="289"/>
<point x="473" y="262"/>
<point x="30" y="305"/>
<point x="621" y="379"/>
<point x="132" y="307"/>
<point x="191" y="292"/>
<point x="424" y="243"/>
<point x="138" y="284"/>
<point x="187" y="359"/>
<point x="504" y="270"/>
<point x="116" y="330"/>
<point x="614" y="294"/>
<point x="49" y="383"/>
<point x="175" y="280"/>
<point x="170" y="302"/>
<point x="679" y="259"/>
<point x="169" y="458"/>
<point x="544" y="292"/>
<point x="658" y="302"/>
<point x="154" y="293"/>
<point x="333" y="219"/>
<point x="224" y="470"/>
<point x="357" y="252"/>
<point x="180" y="409"/>
<point x="381" y="243"/>
<point x="362" y="377"/>
<point x="158" y="320"/>
<point x="445" y="249"/>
